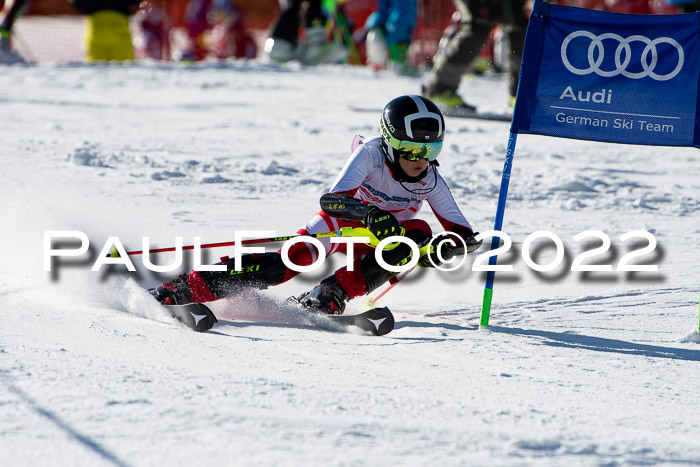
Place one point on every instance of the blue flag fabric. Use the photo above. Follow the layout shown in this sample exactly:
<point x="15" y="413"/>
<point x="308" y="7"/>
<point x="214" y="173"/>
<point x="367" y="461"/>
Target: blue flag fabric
<point x="610" y="77"/>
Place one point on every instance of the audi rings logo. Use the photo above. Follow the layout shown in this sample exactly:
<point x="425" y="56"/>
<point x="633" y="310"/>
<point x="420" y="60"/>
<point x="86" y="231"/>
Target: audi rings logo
<point x="596" y="53"/>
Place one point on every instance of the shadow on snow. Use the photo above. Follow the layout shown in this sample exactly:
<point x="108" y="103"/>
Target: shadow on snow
<point x="601" y="344"/>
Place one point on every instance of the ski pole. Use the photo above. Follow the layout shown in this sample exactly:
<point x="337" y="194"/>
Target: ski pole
<point x="395" y="280"/>
<point x="392" y="283"/>
<point x="371" y="301"/>
<point x="344" y="232"/>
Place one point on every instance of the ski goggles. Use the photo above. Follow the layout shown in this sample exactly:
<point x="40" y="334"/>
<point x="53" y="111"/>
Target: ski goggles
<point x="413" y="151"/>
<point x="416" y="151"/>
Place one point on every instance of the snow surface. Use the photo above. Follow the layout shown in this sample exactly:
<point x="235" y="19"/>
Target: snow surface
<point x="576" y="369"/>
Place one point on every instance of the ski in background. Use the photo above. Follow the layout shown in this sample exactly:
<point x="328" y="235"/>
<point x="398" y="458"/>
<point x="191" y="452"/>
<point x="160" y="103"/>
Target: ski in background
<point x="452" y="112"/>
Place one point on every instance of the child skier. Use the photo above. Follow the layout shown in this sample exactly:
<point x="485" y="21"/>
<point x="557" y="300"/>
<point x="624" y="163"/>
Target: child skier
<point x="382" y="187"/>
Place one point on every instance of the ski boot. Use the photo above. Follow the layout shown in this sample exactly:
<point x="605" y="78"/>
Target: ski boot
<point x="447" y="99"/>
<point x="7" y="55"/>
<point x="257" y="271"/>
<point x="173" y="293"/>
<point x="328" y="297"/>
<point x="450" y="101"/>
<point x="317" y="51"/>
<point x="280" y="51"/>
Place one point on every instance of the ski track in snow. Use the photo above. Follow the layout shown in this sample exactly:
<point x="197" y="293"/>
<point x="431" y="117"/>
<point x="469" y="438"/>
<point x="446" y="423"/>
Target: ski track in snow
<point x="575" y="369"/>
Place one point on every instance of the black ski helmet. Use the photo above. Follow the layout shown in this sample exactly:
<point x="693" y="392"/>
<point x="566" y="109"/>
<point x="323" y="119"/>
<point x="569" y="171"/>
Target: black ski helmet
<point x="412" y="127"/>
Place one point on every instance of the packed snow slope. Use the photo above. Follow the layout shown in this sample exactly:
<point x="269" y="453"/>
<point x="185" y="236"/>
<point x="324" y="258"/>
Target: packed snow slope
<point x="577" y="368"/>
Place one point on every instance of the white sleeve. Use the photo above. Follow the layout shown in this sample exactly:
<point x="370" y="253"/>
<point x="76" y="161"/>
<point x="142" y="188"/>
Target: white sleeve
<point x="356" y="170"/>
<point x="445" y="207"/>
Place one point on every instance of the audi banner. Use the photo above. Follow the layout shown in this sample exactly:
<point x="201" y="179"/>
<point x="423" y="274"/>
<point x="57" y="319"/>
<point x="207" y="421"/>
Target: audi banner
<point x="611" y="77"/>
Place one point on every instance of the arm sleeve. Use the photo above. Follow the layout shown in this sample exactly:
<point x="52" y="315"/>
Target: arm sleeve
<point x="340" y="202"/>
<point x="446" y="210"/>
<point x="355" y="171"/>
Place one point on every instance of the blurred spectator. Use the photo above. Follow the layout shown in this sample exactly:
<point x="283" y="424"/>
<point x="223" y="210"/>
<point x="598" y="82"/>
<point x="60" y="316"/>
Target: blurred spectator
<point x="12" y="10"/>
<point x="477" y="18"/>
<point x="216" y="28"/>
<point x="284" y="43"/>
<point x="494" y="53"/>
<point x="686" y="6"/>
<point x="232" y="38"/>
<point x="389" y="31"/>
<point x="107" y="35"/>
<point x="587" y="4"/>
<point x="491" y="55"/>
<point x="664" y="7"/>
<point x="639" y="7"/>
<point x="153" y="27"/>
<point x="196" y="23"/>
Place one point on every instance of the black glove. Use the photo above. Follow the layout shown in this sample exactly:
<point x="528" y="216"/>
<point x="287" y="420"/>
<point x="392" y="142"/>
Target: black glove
<point x="472" y="243"/>
<point x="449" y="248"/>
<point x="382" y="224"/>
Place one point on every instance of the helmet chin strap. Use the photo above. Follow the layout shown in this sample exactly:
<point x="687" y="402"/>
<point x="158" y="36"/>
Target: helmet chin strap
<point x="393" y="160"/>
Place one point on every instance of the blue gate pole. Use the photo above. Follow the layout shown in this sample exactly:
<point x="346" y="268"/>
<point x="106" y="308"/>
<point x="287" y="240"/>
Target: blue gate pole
<point x="502" y="196"/>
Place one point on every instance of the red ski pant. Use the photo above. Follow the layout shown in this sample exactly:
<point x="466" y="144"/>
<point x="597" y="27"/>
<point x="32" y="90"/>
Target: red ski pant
<point x="354" y="282"/>
<point x="304" y="254"/>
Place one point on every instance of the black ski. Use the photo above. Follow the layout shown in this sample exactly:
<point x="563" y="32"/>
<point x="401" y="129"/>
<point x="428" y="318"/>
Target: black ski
<point x="378" y="321"/>
<point x="195" y="315"/>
